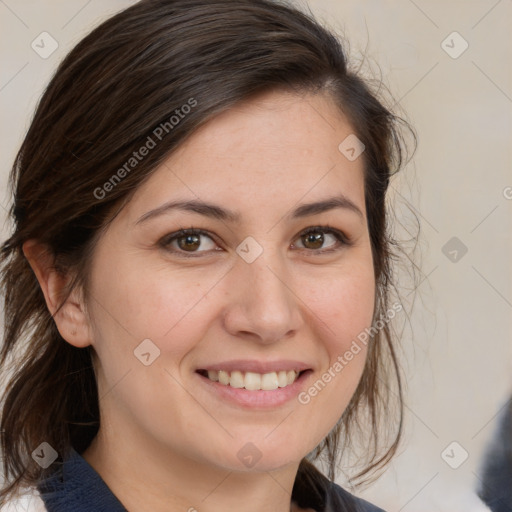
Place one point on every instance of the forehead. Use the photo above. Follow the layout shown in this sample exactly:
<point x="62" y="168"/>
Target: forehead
<point x="266" y="154"/>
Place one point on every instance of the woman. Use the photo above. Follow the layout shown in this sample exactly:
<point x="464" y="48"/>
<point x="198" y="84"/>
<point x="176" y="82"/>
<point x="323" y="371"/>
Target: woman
<point x="201" y="268"/>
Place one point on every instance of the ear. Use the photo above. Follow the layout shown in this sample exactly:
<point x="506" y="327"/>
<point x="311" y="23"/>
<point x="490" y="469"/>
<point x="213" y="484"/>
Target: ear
<point x="71" y="320"/>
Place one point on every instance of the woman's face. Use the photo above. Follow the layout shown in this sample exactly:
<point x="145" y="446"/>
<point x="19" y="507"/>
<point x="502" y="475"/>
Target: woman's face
<point x="251" y="297"/>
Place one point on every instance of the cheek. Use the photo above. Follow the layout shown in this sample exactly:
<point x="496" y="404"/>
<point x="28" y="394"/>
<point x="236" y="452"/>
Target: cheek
<point x="343" y="302"/>
<point x="343" y="306"/>
<point x="135" y="302"/>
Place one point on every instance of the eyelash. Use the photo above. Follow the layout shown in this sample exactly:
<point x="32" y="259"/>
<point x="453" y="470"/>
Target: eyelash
<point x="342" y="239"/>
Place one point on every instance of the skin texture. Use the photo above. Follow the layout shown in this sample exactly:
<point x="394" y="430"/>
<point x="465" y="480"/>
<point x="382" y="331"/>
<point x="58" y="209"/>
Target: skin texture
<point x="167" y="442"/>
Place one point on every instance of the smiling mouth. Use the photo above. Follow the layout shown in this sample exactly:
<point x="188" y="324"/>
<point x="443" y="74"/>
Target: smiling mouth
<point x="252" y="381"/>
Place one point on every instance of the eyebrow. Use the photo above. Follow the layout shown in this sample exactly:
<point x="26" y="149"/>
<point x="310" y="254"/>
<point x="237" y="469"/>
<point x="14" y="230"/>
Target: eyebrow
<point x="217" y="212"/>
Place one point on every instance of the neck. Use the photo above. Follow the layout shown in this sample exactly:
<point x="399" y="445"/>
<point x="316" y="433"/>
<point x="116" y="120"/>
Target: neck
<point x="144" y="478"/>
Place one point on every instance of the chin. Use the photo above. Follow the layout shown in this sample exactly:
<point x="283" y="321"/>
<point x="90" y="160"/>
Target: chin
<point x="266" y="455"/>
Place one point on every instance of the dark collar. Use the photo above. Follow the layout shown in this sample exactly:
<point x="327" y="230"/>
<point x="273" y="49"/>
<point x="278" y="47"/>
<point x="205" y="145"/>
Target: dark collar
<point x="75" y="486"/>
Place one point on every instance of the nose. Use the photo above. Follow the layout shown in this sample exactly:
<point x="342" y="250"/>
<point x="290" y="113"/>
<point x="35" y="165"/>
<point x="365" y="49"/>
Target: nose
<point x="262" y="303"/>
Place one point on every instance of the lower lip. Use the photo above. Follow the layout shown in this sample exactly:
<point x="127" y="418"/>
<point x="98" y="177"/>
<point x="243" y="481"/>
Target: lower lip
<point x="259" y="399"/>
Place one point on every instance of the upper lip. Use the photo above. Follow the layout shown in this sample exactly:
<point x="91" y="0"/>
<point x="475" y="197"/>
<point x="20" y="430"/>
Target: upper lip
<point x="246" y="365"/>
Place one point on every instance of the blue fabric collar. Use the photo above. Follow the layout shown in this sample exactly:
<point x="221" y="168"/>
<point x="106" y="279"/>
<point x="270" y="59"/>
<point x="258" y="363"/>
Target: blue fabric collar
<point x="77" y="487"/>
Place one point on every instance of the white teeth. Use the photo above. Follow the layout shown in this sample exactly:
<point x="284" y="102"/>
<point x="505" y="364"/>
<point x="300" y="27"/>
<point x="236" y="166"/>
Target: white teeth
<point x="224" y="377"/>
<point x="213" y="376"/>
<point x="237" y="380"/>
<point x="254" y="381"/>
<point x="269" y="381"/>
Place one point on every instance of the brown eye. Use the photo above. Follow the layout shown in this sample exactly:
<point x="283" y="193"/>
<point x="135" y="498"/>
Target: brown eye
<point x="314" y="239"/>
<point x="189" y="241"/>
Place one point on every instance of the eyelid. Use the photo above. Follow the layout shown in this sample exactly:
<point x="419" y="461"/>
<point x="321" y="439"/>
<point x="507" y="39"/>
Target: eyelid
<point x="341" y="237"/>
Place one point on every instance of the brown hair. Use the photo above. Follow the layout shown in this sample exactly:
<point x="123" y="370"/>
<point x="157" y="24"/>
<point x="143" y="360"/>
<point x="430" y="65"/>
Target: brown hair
<point x="120" y="83"/>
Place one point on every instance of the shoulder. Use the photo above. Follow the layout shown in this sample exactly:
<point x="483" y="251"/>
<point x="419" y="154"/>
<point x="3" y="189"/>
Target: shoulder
<point x="340" y="499"/>
<point x="28" y="500"/>
<point x="313" y="490"/>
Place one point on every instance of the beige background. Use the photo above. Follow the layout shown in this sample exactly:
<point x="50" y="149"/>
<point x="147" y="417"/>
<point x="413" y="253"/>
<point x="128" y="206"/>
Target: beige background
<point x="458" y="355"/>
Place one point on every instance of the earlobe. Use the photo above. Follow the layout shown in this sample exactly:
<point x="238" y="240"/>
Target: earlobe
<point x="71" y="319"/>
